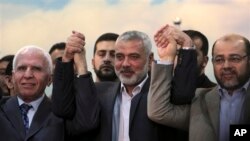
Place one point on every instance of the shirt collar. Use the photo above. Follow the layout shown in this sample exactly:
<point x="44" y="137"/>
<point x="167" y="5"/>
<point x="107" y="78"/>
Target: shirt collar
<point x="34" y="103"/>
<point x="243" y="88"/>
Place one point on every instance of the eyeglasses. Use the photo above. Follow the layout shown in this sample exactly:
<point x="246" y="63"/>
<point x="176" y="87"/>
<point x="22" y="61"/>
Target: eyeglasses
<point x="235" y="59"/>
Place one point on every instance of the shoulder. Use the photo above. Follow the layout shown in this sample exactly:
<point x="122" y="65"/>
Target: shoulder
<point x="4" y="99"/>
<point x="106" y="85"/>
<point x="202" y="93"/>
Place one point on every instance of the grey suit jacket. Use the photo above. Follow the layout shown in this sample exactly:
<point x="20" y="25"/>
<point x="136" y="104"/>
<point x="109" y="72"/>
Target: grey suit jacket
<point x="202" y="117"/>
<point x="44" y="127"/>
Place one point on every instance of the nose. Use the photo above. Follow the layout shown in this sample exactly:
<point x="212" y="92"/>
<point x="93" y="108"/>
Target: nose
<point x="226" y="64"/>
<point x="28" y="73"/>
<point x="125" y="62"/>
<point x="107" y="59"/>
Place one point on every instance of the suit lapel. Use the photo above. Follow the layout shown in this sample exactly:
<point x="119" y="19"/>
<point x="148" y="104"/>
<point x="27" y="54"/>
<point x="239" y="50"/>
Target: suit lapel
<point x="246" y="118"/>
<point x="113" y="92"/>
<point x="41" y="115"/>
<point x="213" y="106"/>
<point x="136" y="100"/>
<point x="11" y="109"/>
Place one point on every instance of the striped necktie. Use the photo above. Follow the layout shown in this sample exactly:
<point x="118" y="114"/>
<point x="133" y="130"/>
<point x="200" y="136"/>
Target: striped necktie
<point x="24" y="108"/>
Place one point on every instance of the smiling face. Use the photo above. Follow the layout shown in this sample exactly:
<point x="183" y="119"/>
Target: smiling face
<point x="31" y="75"/>
<point x="231" y="74"/>
<point x="131" y="61"/>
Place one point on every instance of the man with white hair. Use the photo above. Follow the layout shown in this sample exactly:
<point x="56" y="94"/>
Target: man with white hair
<point x="28" y="115"/>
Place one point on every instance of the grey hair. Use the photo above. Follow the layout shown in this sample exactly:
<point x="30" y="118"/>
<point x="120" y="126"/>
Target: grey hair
<point x="38" y="50"/>
<point x="137" y="35"/>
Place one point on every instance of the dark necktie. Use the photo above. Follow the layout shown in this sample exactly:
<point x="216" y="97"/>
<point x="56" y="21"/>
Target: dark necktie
<point x="24" y="108"/>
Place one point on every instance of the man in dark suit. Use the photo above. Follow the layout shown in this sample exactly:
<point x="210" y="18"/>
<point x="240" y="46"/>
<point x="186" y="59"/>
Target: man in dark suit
<point x="28" y="115"/>
<point x="123" y="105"/>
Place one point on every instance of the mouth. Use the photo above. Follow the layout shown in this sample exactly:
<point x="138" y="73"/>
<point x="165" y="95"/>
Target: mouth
<point x="127" y="73"/>
<point x="28" y="85"/>
<point x="107" y="68"/>
<point x="228" y="76"/>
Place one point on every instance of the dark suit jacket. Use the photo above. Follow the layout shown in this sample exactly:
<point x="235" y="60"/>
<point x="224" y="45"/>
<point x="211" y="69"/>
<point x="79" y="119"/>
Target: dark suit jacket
<point x="74" y="99"/>
<point x="204" y="82"/>
<point x="141" y="127"/>
<point x="45" y="125"/>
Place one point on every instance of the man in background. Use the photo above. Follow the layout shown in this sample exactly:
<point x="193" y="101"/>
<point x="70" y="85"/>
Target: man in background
<point x="104" y="56"/>
<point x="4" y="61"/>
<point x="55" y="52"/>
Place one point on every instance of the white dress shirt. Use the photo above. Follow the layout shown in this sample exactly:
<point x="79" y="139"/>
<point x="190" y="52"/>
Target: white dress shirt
<point x="125" y="110"/>
<point x="35" y="104"/>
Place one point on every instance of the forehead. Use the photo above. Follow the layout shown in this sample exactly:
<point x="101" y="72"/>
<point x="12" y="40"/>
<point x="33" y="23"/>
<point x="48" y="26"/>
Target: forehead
<point x="131" y="46"/>
<point x="229" y="47"/>
<point x="31" y="58"/>
<point x="57" y="53"/>
<point x="198" y="43"/>
<point x="105" y="45"/>
<point x="3" y="64"/>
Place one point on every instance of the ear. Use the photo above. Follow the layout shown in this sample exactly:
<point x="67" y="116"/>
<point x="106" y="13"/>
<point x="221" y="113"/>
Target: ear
<point x="93" y="62"/>
<point x="151" y="59"/>
<point x="8" y="81"/>
<point x="204" y="64"/>
<point x="50" y="80"/>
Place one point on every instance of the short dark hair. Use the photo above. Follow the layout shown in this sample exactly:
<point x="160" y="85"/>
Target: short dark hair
<point x="197" y="34"/>
<point x="60" y="46"/>
<point x="9" y="68"/>
<point x="7" y="58"/>
<point x="106" y="37"/>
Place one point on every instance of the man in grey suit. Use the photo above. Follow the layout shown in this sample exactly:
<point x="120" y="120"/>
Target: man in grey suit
<point x="123" y="105"/>
<point x="28" y="116"/>
<point x="212" y="111"/>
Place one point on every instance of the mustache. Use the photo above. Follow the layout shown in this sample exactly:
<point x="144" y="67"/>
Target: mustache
<point x="228" y="71"/>
<point x="126" y="70"/>
<point x="106" y="66"/>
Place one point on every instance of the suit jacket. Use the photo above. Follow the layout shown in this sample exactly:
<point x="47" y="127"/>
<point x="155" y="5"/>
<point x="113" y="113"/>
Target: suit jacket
<point x="204" y="82"/>
<point x="186" y="78"/>
<point x="203" y="112"/>
<point x="45" y="125"/>
<point x="141" y="128"/>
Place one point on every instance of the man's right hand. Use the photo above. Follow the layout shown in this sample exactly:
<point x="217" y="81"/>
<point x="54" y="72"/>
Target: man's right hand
<point x="167" y="39"/>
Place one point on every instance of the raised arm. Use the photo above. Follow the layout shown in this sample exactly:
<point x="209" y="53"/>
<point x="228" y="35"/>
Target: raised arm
<point x="86" y="101"/>
<point x="76" y="100"/>
<point x="160" y="109"/>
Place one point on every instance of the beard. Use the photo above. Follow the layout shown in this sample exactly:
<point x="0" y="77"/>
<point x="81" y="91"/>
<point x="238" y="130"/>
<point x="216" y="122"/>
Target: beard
<point x="235" y="81"/>
<point x="134" y="79"/>
<point x="106" y="74"/>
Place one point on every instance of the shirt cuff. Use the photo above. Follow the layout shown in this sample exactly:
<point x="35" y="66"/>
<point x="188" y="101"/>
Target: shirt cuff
<point x="189" y="48"/>
<point x="163" y="62"/>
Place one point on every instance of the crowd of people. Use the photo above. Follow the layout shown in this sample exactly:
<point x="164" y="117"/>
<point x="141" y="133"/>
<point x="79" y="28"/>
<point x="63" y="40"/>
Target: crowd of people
<point x="52" y="95"/>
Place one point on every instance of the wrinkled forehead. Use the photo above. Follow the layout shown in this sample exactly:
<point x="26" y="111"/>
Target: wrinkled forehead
<point x="129" y="46"/>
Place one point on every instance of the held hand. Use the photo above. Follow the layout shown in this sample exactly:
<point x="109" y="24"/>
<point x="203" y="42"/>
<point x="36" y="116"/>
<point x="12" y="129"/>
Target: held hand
<point x="166" y="45"/>
<point x="74" y="44"/>
<point x="181" y="38"/>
